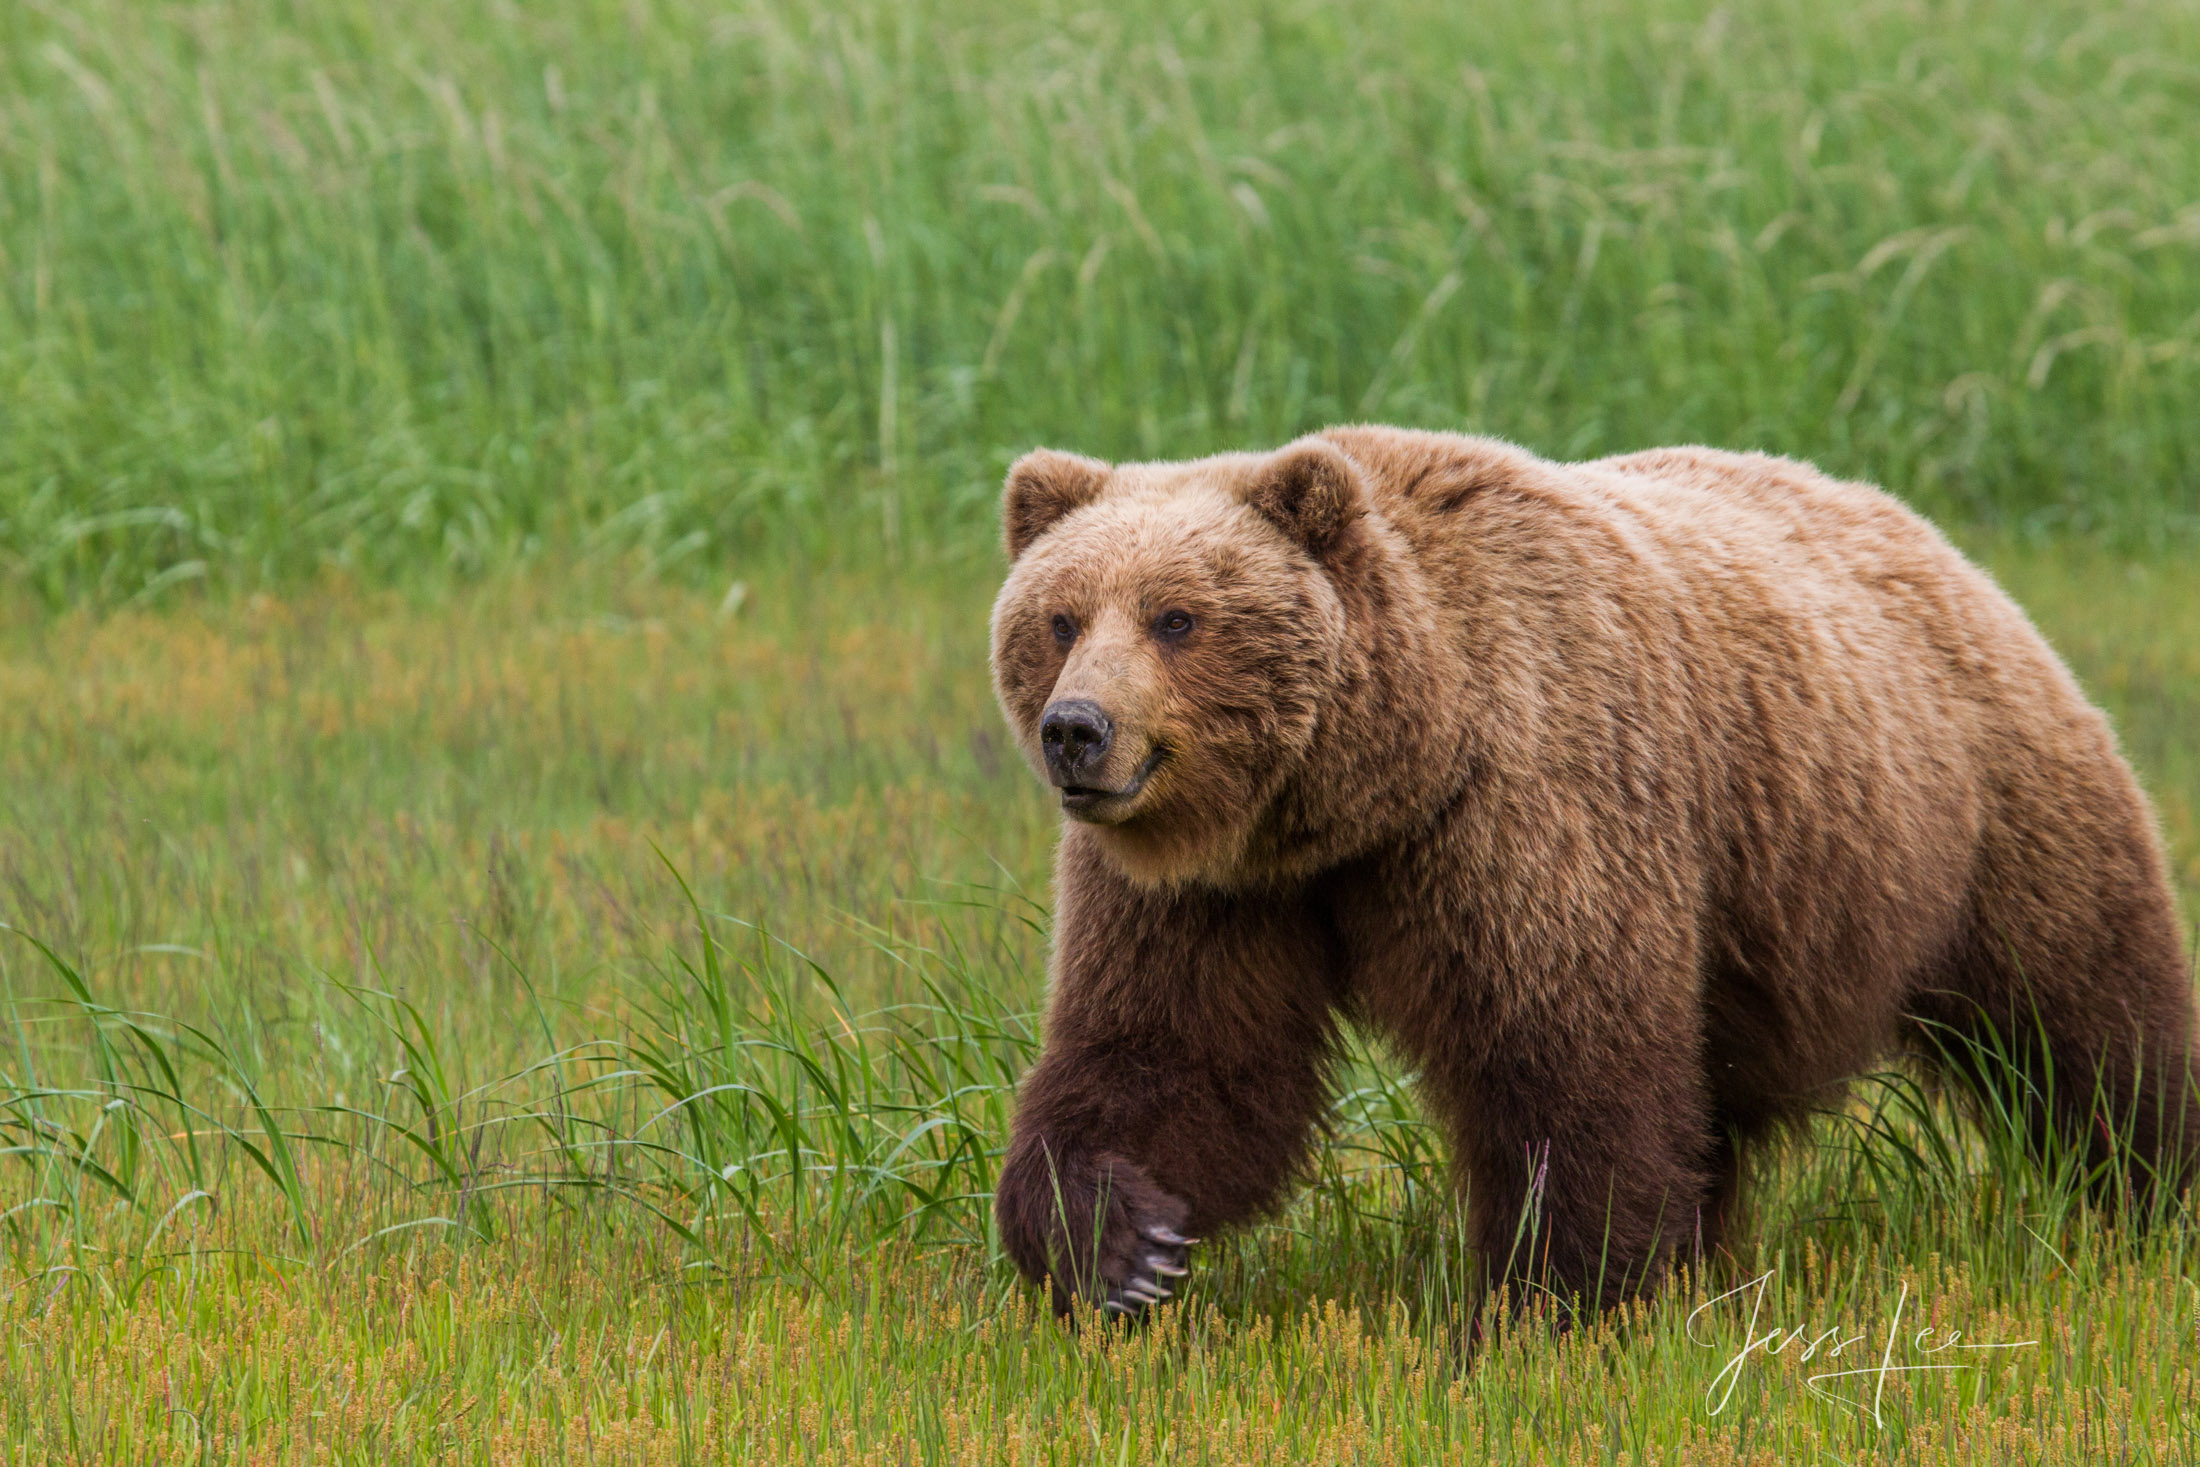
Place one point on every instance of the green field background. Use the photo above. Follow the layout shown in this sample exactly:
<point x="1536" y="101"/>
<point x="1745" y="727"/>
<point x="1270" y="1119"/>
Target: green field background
<point x="405" y="285"/>
<point x="523" y="919"/>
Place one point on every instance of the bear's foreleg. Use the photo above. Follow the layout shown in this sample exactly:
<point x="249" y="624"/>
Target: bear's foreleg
<point x="1184" y="1067"/>
<point x="1588" y="1150"/>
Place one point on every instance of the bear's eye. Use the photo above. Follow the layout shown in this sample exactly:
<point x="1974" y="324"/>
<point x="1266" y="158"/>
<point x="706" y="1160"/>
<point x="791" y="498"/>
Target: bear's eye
<point x="1172" y="625"/>
<point x="1065" y="630"/>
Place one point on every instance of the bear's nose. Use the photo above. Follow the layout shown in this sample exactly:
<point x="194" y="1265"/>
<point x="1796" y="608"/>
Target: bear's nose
<point x="1075" y="734"/>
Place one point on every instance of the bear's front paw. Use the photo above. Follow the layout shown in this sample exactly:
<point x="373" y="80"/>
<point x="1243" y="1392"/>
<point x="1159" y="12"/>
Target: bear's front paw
<point x="1099" y="1230"/>
<point x="1156" y="1254"/>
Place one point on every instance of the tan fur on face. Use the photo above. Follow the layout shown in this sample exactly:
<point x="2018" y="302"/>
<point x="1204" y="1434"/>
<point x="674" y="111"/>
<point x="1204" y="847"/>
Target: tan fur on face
<point x="1232" y="707"/>
<point x="1638" y="803"/>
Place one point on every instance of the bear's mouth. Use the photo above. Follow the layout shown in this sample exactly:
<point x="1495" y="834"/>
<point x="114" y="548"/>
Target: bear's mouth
<point x="1079" y="799"/>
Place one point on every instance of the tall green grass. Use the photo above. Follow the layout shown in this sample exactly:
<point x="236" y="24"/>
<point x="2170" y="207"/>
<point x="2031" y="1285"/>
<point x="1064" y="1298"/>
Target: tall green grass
<point x="743" y="1103"/>
<point x="436" y="285"/>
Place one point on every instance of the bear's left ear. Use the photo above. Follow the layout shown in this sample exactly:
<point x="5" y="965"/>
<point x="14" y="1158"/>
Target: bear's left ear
<point x="1043" y="486"/>
<point x="1311" y="492"/>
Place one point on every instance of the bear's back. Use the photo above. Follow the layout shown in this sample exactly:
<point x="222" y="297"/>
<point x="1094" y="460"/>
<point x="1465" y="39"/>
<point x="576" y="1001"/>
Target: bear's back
<point x="1759" y="565"/>
<point x="1883" y="590"/>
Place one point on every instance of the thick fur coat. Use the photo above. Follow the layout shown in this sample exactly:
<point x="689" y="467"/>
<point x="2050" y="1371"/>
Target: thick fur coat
<point x="1636" y="803"/>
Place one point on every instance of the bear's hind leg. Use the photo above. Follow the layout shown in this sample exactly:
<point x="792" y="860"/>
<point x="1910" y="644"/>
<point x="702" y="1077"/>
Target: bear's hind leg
<point x="2066" y="1006"/>
<point x="1722" y="1197"/>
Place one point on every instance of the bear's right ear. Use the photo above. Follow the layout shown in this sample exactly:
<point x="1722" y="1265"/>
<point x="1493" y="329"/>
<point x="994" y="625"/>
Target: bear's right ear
<point x="1043" y="486"/>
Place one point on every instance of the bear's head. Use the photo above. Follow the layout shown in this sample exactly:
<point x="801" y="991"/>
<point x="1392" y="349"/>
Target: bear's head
<point x="1167" y="639"/>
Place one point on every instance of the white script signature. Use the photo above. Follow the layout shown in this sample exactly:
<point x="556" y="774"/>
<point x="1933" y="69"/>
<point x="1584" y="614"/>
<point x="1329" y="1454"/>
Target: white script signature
<point x="1897" y="1356"/>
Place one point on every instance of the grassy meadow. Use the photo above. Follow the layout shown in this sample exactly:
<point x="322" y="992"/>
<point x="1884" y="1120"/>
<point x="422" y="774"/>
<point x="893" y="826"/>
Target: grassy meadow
<point x="522" y="922"/>
<point x="383" y="284"/>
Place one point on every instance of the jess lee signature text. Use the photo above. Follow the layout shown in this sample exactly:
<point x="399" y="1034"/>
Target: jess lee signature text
<point x="1897" y="1352"/>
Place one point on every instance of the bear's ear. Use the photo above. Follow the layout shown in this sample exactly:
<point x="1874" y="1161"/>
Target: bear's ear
<point x="1043" y="486"/>
<point x="1310" y="491"/>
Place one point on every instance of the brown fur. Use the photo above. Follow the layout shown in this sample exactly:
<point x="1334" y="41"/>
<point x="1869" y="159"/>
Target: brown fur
<point x="1637" y="803"/>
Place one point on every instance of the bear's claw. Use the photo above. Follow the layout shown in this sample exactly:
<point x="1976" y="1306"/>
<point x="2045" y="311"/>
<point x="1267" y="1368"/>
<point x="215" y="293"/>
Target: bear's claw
<point x="1150" y="1271"/>
<point x="1100" y="1231"/>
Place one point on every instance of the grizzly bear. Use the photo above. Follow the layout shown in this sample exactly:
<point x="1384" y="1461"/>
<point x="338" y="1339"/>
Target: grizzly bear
<point x="1634" y="803"/>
